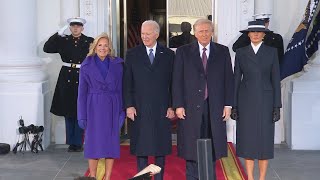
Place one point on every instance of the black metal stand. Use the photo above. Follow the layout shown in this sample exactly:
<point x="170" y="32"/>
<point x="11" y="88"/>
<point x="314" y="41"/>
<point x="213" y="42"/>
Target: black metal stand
<point x="23" y="144"/>
<point x="205" y="164"/>
<point x="36" y="142"/>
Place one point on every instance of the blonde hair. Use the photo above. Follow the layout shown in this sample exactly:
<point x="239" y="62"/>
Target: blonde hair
<point x="93" y="45"/>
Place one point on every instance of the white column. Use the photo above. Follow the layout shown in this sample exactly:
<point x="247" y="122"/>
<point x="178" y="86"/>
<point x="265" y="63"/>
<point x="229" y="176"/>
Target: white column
<point x="19" y="61"/>
<point x="263" y="7"/>
<point x="23" y="84"/>
<point x="69" y="9"/>
<point x="98" y="14"/>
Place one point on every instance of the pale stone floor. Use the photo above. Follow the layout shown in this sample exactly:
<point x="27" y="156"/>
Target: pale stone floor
<point x="55" y="163"/>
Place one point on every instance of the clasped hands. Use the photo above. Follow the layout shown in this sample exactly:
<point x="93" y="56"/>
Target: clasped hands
<point x="132" y="112"/>
<point x="275" y="114"/>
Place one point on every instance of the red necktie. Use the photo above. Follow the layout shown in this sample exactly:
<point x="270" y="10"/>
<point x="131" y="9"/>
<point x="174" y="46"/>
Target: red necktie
<point x="204" y="63"/>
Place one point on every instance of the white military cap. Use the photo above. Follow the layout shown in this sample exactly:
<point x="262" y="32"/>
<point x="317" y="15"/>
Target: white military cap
<point x="76" y="21"/>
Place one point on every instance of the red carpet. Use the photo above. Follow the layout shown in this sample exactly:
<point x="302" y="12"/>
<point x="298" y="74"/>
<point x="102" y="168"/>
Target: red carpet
<point x="124" y="168"/>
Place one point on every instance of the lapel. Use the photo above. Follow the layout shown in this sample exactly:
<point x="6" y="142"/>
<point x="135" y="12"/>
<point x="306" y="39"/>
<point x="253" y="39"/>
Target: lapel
<point x="213" y="52"/>
<point x="92" y="68"/>
<point x="196" y="59"/>
<point x="143" y="55"/>
<point x="158" y="56"/>
<point x="261" y="51"/>
<point x="250" y="53"/>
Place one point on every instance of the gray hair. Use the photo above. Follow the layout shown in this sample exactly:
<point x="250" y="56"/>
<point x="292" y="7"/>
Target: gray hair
<point x="154" y="24"/>
<point x="202" y="21"/>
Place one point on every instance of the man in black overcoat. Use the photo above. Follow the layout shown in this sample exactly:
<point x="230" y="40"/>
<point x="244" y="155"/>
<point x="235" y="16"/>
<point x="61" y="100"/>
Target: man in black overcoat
<point x="147" y="97"/>
<point x="73" y="49"/>
<point x="202" y="95"/>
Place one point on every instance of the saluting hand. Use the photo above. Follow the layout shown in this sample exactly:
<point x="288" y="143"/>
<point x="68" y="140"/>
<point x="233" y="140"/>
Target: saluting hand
<point x="131" y="112"/>
<point x="180" y="112"/>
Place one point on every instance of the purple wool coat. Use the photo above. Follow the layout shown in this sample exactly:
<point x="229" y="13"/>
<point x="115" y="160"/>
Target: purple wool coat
<point x="100" y="106"/>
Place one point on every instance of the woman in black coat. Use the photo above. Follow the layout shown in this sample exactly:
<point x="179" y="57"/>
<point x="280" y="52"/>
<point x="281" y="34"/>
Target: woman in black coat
<point x="257" y="99"/>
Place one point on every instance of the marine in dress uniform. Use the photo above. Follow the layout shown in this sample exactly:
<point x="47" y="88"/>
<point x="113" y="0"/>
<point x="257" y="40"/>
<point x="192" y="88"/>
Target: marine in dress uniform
<point x="270" y="39"/>
<point x="73" y="49"/>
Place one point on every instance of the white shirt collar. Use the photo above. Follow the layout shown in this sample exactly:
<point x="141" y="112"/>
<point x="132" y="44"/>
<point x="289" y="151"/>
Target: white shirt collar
<point x="255" y="48"/>
<point x="154" y="49"/>
<point x="201" y="50"/>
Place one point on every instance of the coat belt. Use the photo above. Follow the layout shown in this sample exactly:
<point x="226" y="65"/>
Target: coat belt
<point x="71" y="65"/>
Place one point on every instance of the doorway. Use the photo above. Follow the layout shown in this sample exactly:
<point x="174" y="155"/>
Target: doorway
<point x="132" y="14"/>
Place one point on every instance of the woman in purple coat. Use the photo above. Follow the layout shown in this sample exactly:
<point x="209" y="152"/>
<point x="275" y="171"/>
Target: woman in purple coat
<point x="100" y="110"/>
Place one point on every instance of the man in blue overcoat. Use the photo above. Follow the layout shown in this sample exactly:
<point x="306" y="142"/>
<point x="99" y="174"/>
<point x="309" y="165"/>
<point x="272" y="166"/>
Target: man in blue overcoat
<point x="147" y="97"/>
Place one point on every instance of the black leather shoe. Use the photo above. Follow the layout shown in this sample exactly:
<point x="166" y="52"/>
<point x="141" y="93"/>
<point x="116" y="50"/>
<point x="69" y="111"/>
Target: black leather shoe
<point x="71" y="148"/>
<point x="78" y="149"/>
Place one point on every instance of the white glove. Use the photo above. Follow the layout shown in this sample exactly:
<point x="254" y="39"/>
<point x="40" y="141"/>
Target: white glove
<point x="152" y="169"/>
<point x="62" y="30"/>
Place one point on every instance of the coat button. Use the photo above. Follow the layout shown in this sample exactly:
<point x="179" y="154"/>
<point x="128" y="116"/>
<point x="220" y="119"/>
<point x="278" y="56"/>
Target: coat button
<point x="77" y="82"/>
<point x="68" y="80"/>
<point x="70" y="60"/>
<point x="198" y="106"/>
<point x="77" y="71"/>
<point x="201" y="75"/>
<point x="69" y="70"/>
<point x="199" y="90"/>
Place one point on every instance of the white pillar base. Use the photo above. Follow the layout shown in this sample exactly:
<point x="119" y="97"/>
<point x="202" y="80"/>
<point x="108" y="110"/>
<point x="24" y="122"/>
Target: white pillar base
<point x="305" y="108"/>
<point x="29" y="100"/>
<point x="59" y="129"/>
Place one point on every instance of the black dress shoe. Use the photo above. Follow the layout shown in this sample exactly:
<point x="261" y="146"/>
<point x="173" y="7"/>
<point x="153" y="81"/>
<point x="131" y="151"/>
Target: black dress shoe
<point x="71" y="148"/>
<point x="78" y="149"/>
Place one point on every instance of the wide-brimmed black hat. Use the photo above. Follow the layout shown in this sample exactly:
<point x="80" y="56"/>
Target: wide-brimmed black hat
<point x="256" y="26"/>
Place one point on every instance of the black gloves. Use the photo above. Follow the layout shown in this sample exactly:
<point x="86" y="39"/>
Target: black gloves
<point x="234" y="114"/>
<point x="275" y="114"/>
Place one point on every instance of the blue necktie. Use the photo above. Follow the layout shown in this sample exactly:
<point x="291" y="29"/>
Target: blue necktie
<point x="151" y="56"/>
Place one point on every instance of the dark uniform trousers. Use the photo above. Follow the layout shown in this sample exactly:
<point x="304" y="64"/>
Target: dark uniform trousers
<point x="192" y="166"/>
<point x="142" y="162"/>
<point x="74" y="134"/>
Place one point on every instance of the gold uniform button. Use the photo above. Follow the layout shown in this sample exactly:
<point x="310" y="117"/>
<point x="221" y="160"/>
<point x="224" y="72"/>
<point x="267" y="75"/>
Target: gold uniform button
<point x="75" y="41"/>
